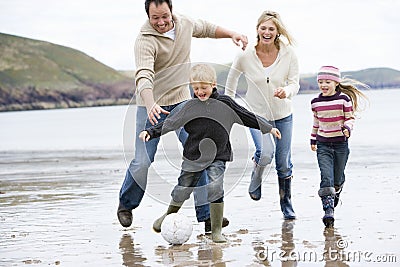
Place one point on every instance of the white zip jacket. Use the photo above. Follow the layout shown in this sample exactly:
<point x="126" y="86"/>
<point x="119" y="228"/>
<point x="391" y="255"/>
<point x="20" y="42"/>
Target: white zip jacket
<point x="260" y="91"/>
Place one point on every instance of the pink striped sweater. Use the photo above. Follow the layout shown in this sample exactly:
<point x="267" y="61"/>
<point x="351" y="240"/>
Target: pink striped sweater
<point x="332" y="114"/>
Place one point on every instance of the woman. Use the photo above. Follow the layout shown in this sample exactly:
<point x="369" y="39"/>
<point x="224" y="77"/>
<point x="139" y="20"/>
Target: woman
<point x="272" y="74"/>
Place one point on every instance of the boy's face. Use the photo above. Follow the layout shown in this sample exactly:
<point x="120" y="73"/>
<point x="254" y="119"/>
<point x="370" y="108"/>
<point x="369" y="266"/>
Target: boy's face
<point x="203" y="90"/>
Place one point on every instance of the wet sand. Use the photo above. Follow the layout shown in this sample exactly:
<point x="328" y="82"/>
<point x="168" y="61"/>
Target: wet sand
<point x="59" y="208"/>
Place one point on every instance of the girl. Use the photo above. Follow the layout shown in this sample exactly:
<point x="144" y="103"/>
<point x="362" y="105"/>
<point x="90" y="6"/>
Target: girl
<point x="333" y="122"/>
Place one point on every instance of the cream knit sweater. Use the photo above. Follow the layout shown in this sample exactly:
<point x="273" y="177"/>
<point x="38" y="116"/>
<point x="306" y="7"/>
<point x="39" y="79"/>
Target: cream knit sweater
<point x="260" y="91"/>
<point x="163" y="64"/>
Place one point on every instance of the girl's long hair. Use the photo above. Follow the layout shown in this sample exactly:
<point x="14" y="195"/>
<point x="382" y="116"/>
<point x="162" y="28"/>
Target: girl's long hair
<point x="350" y="87"/>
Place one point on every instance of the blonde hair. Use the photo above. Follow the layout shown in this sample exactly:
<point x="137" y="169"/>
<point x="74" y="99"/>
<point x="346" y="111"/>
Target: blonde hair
<point x="276" y="19"/>
<point x="203" y="73"/>
<point x="349" y="87"/>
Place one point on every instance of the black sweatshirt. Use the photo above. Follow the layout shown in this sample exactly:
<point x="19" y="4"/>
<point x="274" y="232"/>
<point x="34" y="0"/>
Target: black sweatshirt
<point x="208" y="124"/>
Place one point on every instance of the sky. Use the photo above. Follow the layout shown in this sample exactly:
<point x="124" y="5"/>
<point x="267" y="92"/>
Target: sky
<point x="349" y="34"/>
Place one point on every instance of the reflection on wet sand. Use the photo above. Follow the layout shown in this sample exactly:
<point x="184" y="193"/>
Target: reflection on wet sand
<point x="175" y="254"/>
<point x="210" y="255"/>
<point x="131" y="256"/>
<point x="288" y="246"/>
<point x="334" y="252"/>
<point x="284" y="254"/>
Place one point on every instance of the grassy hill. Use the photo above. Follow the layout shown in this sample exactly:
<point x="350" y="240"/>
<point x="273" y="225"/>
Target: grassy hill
<point x="39" y="75"/>
<point x="36" y="74"/>
<point x="376" y="78"/>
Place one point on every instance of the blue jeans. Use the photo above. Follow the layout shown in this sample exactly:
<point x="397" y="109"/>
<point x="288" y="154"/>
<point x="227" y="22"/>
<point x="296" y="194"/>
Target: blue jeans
<point x="188" y="180"/>
<point x="265" y="147"/>
<point x="134" y="185"/>
<point x="332" y="159"/>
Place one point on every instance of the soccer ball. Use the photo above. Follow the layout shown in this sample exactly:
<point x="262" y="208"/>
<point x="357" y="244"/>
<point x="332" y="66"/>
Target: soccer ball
<point x="176" y="228"/>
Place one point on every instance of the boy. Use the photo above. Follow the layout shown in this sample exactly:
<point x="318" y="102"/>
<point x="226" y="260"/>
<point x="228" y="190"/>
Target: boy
<point x="208" y="120"/>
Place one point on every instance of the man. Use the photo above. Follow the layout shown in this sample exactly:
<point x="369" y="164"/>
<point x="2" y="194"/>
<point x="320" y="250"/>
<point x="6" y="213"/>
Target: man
<point x="162" y="54"/>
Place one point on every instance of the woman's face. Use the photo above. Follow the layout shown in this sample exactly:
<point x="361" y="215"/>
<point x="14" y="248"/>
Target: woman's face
<point x="267" y="32"/>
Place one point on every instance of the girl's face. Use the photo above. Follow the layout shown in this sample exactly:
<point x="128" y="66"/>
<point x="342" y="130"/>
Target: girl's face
<point x="267" y="32"/>
<point x="327" y="87"/>
<point x="160" y="17"/>
<point x="202" y="90"/>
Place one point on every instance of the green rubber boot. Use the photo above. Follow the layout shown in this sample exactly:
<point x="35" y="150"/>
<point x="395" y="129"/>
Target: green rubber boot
<point x="172" y="208"/>
<point x="216" y="215"/>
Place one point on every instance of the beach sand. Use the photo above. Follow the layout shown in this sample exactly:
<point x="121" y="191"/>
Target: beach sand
<point x="59" y="208"/>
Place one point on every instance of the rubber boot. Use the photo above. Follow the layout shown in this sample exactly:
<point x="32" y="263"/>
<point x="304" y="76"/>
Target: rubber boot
<point x="207" y="224"/>
<point x="338" y="190"/>
<point x="328" y="206"/>
<point x="172" y="208"/>
<point x="256" y="182"/>
<point x="286" y="198"/>
<point x="124" y="216"/>
<point x="216" y="215"/>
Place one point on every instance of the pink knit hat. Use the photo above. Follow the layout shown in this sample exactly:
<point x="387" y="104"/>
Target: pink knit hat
<point x="329" y="73"/>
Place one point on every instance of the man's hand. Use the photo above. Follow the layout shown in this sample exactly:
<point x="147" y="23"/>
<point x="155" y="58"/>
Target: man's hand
<point x="154" y="112"/>
<point x="153" y="109"/>
<point x="240" y="40"/>
<point x="144" y="135"/>
<point x="314" y="147"/>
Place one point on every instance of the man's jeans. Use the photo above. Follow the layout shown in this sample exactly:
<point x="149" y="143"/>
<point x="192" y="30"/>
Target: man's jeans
<point x="265" y="147"/>
<point x="135" y="182"/>
<point x="332" y="159"/>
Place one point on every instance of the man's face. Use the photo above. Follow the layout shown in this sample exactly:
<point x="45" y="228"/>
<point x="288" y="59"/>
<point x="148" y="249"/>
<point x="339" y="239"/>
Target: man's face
<point x="160" y="17"/>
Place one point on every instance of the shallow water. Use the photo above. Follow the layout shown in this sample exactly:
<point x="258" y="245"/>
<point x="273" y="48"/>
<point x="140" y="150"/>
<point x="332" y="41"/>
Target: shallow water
<point x="58" y="203"/>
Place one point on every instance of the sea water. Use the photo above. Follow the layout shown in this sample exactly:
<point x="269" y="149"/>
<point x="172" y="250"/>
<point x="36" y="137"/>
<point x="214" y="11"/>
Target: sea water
<point x="112" y="127"/>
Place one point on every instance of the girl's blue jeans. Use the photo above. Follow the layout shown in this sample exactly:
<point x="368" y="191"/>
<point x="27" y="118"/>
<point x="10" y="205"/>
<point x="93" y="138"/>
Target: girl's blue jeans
<point x="332" y="159"/>
<point x="134" y="185"/>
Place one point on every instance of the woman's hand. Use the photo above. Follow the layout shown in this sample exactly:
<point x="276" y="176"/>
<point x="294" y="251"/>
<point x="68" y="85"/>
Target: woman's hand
<point x="280" y="93"/>
<point x="276" y="133"/>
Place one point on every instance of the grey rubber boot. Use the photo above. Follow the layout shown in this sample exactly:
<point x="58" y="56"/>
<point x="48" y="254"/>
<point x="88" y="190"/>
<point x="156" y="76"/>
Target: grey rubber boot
<point x="256" y="182"/>
<point x="207" y="224"/>
<point x="172" y="208"/>
<point x="285" y="195"/>
<point x="338" y="190"/>
<point x="328" y="206"/>
<point x="327" y="195"/>
<point x="216" y="215"/>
